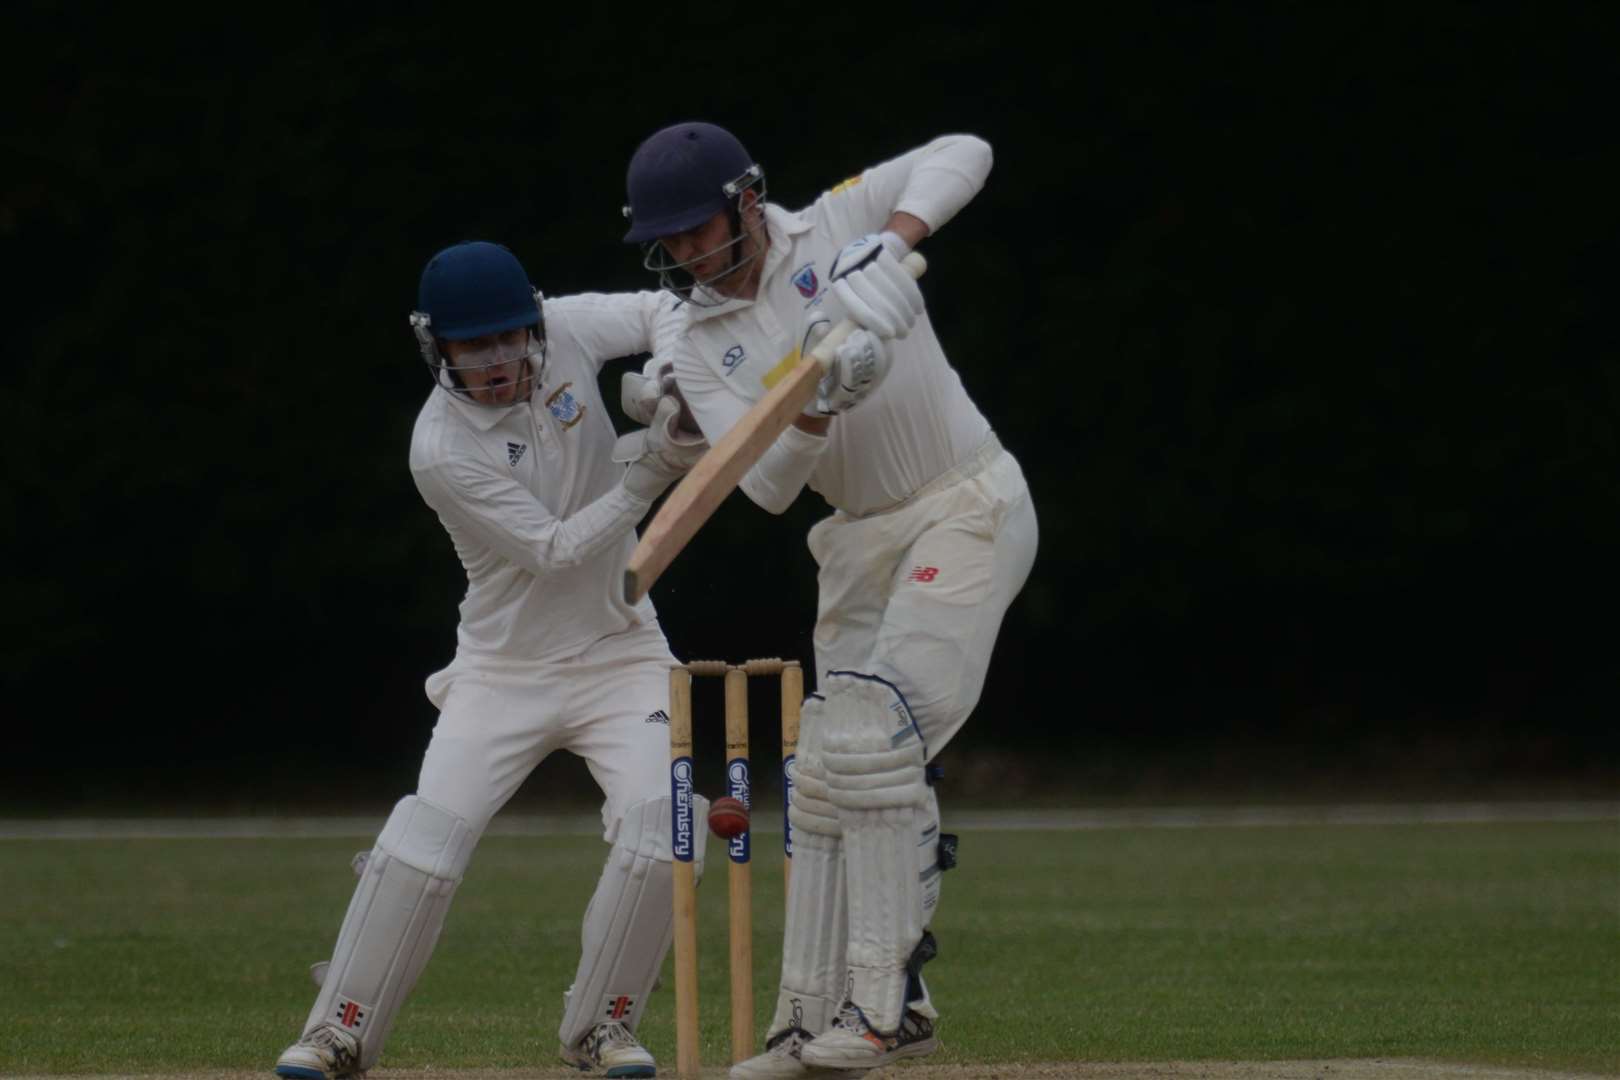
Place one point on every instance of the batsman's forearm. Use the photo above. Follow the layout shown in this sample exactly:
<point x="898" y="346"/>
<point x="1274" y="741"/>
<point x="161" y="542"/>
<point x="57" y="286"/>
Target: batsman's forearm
<point x="785" y="468"/>
<point x="908" y="227"/>
<point x="813" y="425"/>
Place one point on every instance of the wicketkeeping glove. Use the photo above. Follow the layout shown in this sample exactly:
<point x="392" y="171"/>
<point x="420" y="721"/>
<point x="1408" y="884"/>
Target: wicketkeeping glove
<point x="658" y="454"/>
<point x="641" y="391"/>
<point x="872" y="287"/>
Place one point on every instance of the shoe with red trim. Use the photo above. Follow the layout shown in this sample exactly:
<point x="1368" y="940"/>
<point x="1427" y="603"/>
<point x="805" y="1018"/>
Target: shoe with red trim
<point x="852" y="1043"/>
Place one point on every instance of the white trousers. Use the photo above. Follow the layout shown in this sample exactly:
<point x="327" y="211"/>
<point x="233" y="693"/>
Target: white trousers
<point x="916" y="594"/>
<point x="498" y="721"/>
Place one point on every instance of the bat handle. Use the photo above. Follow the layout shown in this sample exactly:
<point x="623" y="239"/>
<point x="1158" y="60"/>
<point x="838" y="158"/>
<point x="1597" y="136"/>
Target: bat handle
<point x="822" y="354"/>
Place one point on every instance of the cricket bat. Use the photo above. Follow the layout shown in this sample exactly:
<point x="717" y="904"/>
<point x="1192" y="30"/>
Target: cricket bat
<point x="718" y="472"/>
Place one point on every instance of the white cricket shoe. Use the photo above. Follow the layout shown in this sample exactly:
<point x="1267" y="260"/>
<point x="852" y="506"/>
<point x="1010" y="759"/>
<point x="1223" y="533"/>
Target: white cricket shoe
<point x="781" y="1061"/>
<point x="611" y="1048"/>
<point x="324" y="1054"/>
<point x="852" y="1043"/>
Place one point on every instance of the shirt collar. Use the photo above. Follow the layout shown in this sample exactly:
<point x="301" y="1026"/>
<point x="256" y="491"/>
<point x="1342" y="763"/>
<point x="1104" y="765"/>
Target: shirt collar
<point x="780" y="226"/>
<point x="483" y="418"/>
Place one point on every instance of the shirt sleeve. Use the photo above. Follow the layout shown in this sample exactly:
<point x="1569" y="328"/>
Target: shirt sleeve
<point x="932" y="182"/>
<point x="776" y="478"/>
<point x="606" y="326"/>
<point x="485" y="505"/>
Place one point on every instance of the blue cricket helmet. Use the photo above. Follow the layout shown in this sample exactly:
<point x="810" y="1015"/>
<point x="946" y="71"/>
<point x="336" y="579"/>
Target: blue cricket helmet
<point x="681" y="176"/>
<point x="475" y="288"/>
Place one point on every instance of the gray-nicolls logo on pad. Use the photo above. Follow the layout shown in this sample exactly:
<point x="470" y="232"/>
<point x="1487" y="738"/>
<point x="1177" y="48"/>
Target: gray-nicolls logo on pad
<point x="514" y="452"/>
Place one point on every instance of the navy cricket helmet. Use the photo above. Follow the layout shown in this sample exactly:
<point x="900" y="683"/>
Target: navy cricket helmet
<point x="682" y="176"/>
<point x="470" y="290"/>
<point x="475" y="288"/>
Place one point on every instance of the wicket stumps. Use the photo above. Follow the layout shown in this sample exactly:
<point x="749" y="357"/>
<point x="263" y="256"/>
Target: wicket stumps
<point x="740" y="894"/>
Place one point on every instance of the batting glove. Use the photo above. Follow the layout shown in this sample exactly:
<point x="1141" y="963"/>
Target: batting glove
<point x="857" y="368"/>
<point x="872" y="287"/>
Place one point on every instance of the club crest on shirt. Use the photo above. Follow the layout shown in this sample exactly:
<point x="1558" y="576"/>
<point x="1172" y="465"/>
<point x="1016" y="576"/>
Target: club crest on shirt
<point x="565" y="406"/>
<point x="804" y="279"/>
<point x="733" y="358"/>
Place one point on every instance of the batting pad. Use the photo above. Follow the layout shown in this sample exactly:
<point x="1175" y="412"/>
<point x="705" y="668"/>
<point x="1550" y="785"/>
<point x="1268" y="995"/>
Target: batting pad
<point x="393" y="922"/>
<point x="928" y="856"/>
<point x="816" y="933"/>
<point x="810" y="808"/>
<point x="874" y="761"/>
<point x="629" y="922"/>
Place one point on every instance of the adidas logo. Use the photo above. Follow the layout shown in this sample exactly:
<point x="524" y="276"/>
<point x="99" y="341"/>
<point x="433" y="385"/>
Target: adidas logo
<point x="514" y="452"/>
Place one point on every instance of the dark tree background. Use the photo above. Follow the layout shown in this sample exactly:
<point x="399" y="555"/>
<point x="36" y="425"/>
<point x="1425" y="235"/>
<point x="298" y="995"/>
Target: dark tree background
<point x="1298" y="318"/>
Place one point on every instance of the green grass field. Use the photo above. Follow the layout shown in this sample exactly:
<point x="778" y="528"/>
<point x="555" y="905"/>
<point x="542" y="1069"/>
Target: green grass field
<point x="1489" y="944"/>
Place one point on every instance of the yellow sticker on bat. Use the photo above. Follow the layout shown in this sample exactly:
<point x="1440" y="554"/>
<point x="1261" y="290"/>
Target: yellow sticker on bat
<point x="779" y="371"/>
<point x="845" y="186"/>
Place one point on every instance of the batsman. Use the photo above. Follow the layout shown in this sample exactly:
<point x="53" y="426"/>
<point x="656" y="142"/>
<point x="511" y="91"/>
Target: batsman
<point x="931" y="536"/>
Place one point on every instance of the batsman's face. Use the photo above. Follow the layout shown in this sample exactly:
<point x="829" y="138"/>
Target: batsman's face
<point x="716" y="258"/>
<point x="495" y="368"/>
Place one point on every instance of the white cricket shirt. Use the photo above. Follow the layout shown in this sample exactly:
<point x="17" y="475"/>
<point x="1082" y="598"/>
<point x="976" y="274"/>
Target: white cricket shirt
<point x="529" y="494"/>
<point x="919" y="423"/>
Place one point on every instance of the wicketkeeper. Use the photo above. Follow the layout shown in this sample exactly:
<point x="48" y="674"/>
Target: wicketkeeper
<point x="515" y="452"/>
<point x="932" y="535"/>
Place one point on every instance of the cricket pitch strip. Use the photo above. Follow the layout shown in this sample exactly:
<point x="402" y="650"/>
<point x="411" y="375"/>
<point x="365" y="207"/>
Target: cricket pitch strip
<point x="1325" y="1069"/>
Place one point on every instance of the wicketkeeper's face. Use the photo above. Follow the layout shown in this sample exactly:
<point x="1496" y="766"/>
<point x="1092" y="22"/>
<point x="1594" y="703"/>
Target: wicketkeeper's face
<point x="495" y="368"/>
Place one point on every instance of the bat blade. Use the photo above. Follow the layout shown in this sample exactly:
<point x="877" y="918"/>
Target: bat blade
<point x="701" y="491"/>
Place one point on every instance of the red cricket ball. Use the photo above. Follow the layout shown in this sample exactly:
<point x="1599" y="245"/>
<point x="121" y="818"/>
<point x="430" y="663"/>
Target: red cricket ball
<point x="728" y="817"/>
